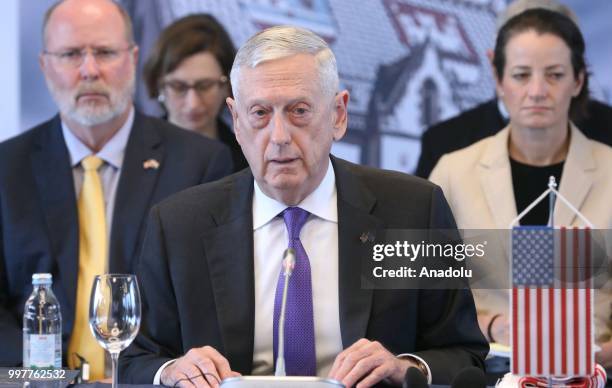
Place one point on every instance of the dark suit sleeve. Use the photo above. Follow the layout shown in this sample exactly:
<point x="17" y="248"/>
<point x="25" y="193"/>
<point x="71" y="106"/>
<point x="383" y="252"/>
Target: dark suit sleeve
<point x="10" y="328"/>
<point x="427" y="159"/>
<point x="219" y="166"/>
<point x="449" y="334"/>
<point x="144" y="357"/>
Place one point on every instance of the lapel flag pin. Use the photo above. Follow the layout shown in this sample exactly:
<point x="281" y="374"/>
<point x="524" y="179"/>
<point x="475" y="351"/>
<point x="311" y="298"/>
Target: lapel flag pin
<point x="366" y="236"/>
<point x="150" y="164"/>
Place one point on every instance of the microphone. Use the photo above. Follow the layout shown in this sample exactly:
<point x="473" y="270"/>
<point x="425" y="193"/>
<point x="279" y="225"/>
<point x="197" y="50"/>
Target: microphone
<point x="288" y="265"/>
<point x="414" y="379"/>
<point x="83" y="376"/>
<point x="471" y="377"/>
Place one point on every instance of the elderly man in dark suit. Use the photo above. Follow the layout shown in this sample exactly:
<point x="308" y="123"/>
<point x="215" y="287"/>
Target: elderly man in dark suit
<point x="210" y="269"/>
<point x="75" y="191"/>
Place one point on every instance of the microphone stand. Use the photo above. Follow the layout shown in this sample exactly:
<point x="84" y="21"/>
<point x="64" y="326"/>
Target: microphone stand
<point x="280" y="379"/>
<point x="289" y="265"/>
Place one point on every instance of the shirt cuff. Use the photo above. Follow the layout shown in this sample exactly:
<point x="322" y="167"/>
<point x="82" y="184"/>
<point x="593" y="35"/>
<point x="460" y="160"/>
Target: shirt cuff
<point x="419" y="360"/>
<point x="157" y="378"/>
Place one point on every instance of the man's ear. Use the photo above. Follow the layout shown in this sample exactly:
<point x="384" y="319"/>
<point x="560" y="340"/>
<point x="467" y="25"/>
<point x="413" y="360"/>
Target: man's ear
<point x="41" y="63"/>
<point x="135" y="52"/>
<point x="340" y="123"/>
<point x="231" y="105"/>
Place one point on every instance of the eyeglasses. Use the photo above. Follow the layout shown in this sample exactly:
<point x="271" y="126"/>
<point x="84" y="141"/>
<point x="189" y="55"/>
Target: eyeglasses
<point x="75" y="57"/>
<point x="201" y="87"/>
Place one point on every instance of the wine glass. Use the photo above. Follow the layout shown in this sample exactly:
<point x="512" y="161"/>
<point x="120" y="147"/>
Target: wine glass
<point x="114" y="313"/>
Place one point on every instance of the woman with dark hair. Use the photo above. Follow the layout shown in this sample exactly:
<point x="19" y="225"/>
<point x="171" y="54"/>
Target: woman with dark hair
<point x="188" y="72"/>
<point x="541" y="76"/>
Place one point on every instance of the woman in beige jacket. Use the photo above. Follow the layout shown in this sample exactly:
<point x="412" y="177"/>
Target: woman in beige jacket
<point x="541" y="75"/>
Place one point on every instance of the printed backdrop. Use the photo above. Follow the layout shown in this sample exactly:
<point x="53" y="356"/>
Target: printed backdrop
<point x="406" y="63"/>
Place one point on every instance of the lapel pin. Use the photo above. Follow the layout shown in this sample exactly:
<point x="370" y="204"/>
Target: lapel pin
<point x="150" y="164"/>
<point x="366" y="236"/>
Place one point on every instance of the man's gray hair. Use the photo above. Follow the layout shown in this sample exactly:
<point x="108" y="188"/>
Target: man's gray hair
<point x="520" y="6"/>
<point x="285" y="41"/>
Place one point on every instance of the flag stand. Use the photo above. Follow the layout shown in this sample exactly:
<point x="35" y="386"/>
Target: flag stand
<point x="552" y="193"/>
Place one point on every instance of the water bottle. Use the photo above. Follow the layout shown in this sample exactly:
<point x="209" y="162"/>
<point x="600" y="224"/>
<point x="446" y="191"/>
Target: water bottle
<point x="42" y="326"/>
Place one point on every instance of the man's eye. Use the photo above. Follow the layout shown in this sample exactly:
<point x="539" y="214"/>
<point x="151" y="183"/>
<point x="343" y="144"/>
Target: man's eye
<point x="105" y="53"/>
<point x="71" y="54"/>
<point x="300" y="111"/>
<point x="556" y="76"/>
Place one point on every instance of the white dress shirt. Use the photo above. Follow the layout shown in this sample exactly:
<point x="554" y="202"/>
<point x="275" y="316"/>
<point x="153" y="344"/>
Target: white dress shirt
<point x="319" y="236"/>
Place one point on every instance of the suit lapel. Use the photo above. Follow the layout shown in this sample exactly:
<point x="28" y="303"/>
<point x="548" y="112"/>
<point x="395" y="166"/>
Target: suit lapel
<point x="229" y="252"/>
<point x="134" y="194"/>
<point x="355" y="221"/>
<point x="55" y="186"/>
<point x="496" y="180"/>
<point x="577" y="178"/>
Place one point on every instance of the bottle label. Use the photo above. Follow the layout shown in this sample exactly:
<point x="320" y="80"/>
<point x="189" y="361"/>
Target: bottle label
<point x="42" y="350"/>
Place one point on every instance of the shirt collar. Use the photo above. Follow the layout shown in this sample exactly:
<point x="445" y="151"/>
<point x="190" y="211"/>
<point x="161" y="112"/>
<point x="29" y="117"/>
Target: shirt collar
<point x="322" y="202"/>
<point x="112" y="152"/>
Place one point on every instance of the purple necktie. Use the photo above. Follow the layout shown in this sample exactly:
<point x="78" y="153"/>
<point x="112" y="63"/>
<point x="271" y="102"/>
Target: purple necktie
<point x="300" y="357"/>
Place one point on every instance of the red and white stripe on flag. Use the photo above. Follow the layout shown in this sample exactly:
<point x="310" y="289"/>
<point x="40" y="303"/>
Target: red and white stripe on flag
<point x="552" y="326"/>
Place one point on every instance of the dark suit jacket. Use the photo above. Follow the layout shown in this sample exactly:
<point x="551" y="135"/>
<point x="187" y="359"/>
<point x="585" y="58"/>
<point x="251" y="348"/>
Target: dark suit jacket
<point x="196" y="274"/>
<point x="485" y="120"/>
<point x="38" y="211"/>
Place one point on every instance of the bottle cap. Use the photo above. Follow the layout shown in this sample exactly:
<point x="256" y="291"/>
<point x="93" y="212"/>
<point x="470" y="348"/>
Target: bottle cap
<point x="42" y="278"/>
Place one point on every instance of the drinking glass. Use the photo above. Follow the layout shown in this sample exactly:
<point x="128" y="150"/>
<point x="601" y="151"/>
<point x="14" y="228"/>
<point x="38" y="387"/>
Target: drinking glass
<point x="114" y="313"/>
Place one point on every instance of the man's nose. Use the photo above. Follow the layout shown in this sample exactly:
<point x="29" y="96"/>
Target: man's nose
<point x="280" y="133"/>
<point x="90" y="69"/>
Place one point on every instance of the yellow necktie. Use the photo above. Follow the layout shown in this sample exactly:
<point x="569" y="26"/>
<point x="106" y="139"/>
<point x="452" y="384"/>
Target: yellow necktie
<point x="92" y="261"/>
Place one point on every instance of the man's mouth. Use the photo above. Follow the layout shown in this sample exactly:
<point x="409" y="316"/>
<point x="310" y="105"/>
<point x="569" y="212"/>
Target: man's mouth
<point x="91" y="94"/>
<point x="283" y="160"/>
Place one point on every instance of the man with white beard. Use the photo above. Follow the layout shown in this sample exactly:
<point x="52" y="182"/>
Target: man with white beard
<point x="75" y="190"/>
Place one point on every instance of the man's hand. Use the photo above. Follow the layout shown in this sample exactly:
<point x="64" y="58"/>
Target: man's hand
<point x="199" y="367"/>
<point x="368" y="362"/>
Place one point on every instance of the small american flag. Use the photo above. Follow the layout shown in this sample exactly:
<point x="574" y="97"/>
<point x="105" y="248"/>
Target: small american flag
<point x="552" y="302"/>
